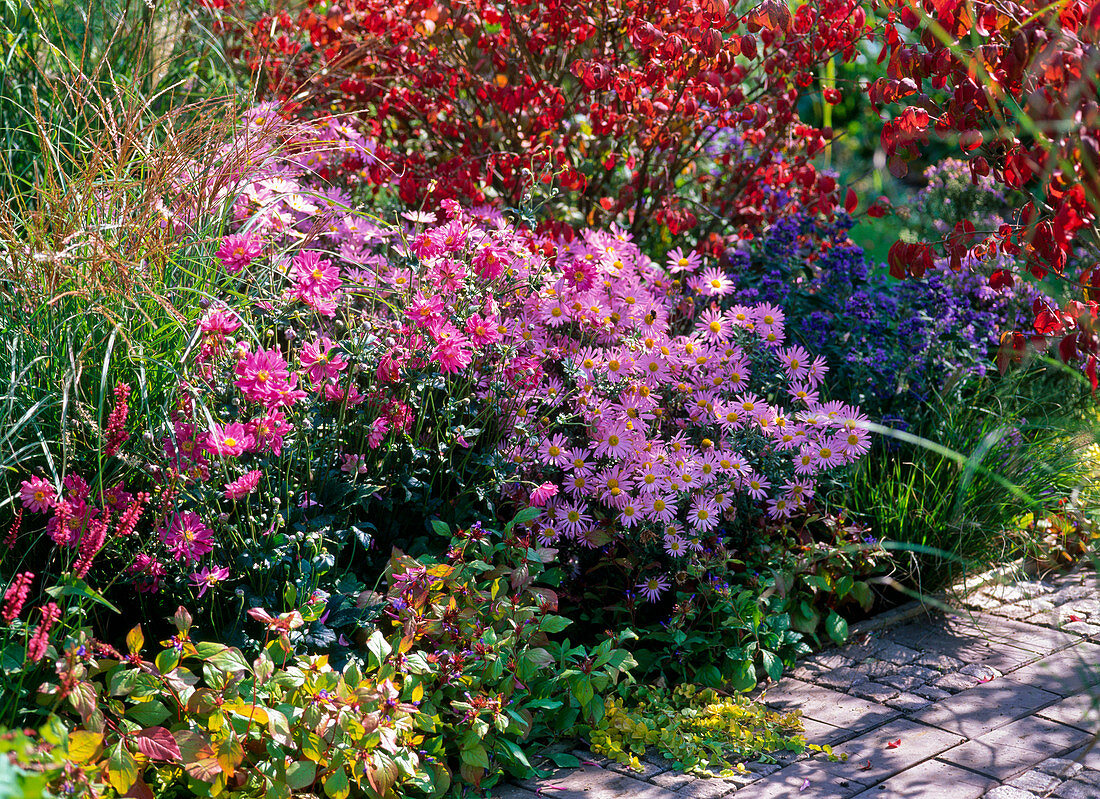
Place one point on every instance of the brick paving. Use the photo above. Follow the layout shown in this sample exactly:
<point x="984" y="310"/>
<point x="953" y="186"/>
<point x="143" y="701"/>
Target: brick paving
<point x="998" y="698"/>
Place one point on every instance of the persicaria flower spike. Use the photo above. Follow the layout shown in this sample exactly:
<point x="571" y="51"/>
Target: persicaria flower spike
<point x="16" y="596"/>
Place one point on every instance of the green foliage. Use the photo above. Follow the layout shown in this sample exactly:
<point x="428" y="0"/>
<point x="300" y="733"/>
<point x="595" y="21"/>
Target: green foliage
<point x="462" y="679"/>
<point x="949" y="492"/>
<point x="746" y="611"/>
<point x="699" y="730"/>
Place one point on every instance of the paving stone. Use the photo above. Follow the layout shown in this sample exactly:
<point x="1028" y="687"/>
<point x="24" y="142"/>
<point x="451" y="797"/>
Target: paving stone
<point x="1082" y="628"/>
<point x="931" y="780"/>
<point x="876" y="692"/>
<point x="763" y="769"/>
<point x="589" y="758"/>
<point x="1077" y="788"/>
<point x="918" y="743"/>
<point x="647" y="770"/>
<point x="830" y="707"/>
<point x="1013" y="748"/>
<point x="1078" y="711"/>
<point x="1060" y="767"/>
<point x="931" y="692"/>
<point x="897" y="653"/>
<point x="1041" y="640"/>
<point x="939" y="662"/>
<point x="1071" y="593"/>
<point x="807" y="671"/>
<point x="673" y="780"/>
<point x="841" y="678"/>
<point x="590" y="782"/>
<point x="956" y="682"/>
<point x="509" y="791"/>
<point x="1021" y="612"/>
<point x="831" y="659"/>
<point x="877" y="669"/>
<point x="861" y="651"/>
<point x="981" y="672"/>
<point x="903" y="682"/>
<point x="985" y="707"/>
<point x="908" y="702"/>
<point x="1088" y="756"/>
<point x="658" y="760"/>
<point x="1008" y="792"/>
<point x="949" y="636"/>
<point x="1034" y="781"/>
<point x="822" y="734"/>
<point x="1065" y="673"/>
<point x="707" y="789"/>
<point x="805" y="780"/>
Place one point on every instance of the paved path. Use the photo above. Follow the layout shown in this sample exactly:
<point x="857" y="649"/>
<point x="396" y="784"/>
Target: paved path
<point x="997" y="699"/>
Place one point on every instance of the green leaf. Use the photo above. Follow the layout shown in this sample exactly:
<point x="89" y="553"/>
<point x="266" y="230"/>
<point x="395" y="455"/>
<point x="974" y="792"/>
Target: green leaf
<point x="378" y="648"/>
<point x="167" y="660"/>
<point x="336" y="785"/>
<point x="441" y="527"/>
<point x="861" y="592"/>
<point x="301" y="775"/>
<point x="772" y="664"/>
<point x="122" y="770"/>
<point x="844" y="585"/>
<point x="148" y="714"/>
<point x="837" y="627"/>
<point x="225" y="658"/>
<point x="564" y="760"/>
<point x="524" y="516"/>
<point x="474" y="754"/>
<point x="81" y="589"/>
<point x="743" y="677"/>
<point x="554" y="624"/>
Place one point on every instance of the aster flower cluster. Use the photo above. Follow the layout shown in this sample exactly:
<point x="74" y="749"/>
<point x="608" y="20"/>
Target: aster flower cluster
<point x="659" y="410"/>
<point x="892" y="345"/>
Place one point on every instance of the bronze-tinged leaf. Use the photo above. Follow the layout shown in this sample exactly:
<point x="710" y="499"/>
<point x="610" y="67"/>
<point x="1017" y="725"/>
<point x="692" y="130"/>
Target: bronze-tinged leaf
<point x="198" y="756"/>
<point x="157" y="743"/>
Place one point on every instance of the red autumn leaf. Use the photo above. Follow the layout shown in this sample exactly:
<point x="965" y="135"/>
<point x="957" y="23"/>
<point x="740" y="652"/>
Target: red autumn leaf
<point x="1067" y="348"/>
<point x="607" y="203"/>
<point x="850" y="201"/>
<point x="1090" y="371"/>
<point x="893" y="744"/>
<point x="157" y="743"/>
<point x="970" y="140"/>
<point x="1075" y="617"/>
<point x="866" y="766"/>
<point x="1047" y="322"/>
<point x="896" y="259"/>
<point x="1001" y="279"/>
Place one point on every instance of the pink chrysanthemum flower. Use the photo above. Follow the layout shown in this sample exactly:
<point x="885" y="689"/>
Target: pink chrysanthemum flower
<point x="231" y="440"/>
<point x="263" y="377"/>
<point x="243" y="485"/>
<point x="320" y="362"/>
<point x="542" y="494"/>
<point x="37" y="494"/>
<point x="187" y="538"/>
<point x="238" y="251"/>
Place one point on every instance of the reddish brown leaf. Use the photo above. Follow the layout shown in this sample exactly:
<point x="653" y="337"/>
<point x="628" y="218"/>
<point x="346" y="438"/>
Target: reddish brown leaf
<point x="157" y="743"/>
